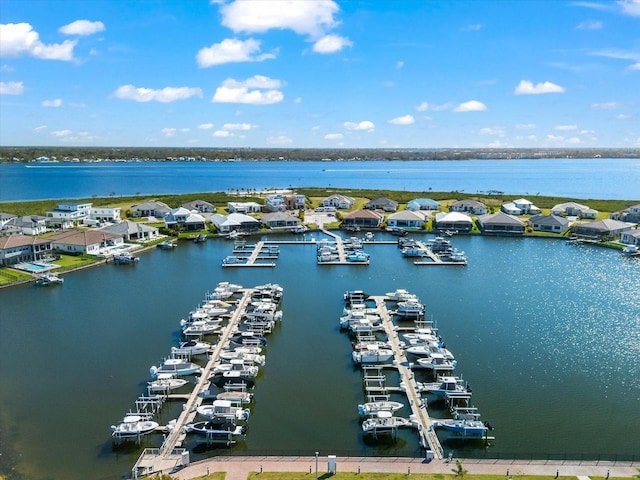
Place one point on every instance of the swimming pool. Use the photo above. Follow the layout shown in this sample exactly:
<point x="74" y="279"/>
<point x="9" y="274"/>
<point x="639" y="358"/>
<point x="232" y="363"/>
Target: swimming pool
<point x="34" y="267"/>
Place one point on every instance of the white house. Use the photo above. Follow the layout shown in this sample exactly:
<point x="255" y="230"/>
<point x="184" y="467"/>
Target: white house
<point x="244" y="207"/>
<point x="105" y="214"/>
<point x="182" y="217"/>
<point x="339" y="201"/>
<point x="234" y="221"/>
<point x="630" y="237"/>
<point x="30" y="224"/>
<point x="199" y="206"/>
<point x="520" y="206"/>
<point x="469" y="206"/>
<point x="548" y="223"/>
<point x="456" y="221"/>
<point x="71" y="211"/>
<point x="573" y="209"/>
<point x="278" y="202"/>
<point x="132" y="231"/>
<point x="423" y="204"/>
<point x="84" y="241"/>
<point x="406" y="219"/>
<point x="151" y="209"/>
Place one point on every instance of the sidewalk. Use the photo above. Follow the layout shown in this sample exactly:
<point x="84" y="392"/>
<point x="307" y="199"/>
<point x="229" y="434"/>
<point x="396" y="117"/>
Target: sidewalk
<point x="238" y="468"/>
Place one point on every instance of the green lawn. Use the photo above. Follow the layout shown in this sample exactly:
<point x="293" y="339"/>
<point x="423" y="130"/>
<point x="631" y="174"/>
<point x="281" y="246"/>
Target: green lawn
<point x="69" y="262"/>
<point x="8" y="276"/>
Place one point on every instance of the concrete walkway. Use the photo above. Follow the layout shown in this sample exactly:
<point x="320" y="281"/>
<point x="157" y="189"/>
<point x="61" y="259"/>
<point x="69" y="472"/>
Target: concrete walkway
<point x="238" y="468"/>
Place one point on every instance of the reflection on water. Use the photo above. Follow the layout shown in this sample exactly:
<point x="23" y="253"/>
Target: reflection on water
<point x="548" y="335"/>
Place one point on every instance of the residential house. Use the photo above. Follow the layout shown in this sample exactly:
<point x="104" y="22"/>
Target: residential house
<point x="630" y="237"/>
<point x="183" y="218"/>
<point x="339" y="201"/>
<point x="469" y="206"/>
<point x="520" y="206"/>
<point x="235" y="221"/>
<point x="133" y="231"/>
<point x="5" y="219"/>
<point x="30" y="224"/>
<point x="280" y="220"/>
<point x="423" y="204"/>
<point x="105" y="214"/>
<point x="16" y="249"/>
<point x="631" y="214"/>
<point x="244" y="207"/>
<point x="363" y="218"/>
<point x="75" y="212"/>
<point x="454" y="221"/>
<point x="385" y="204"/>
<point x="407" y="219"/>
<point x="548" y="223"/>
<point x="573" y="209"/>
<point x="84" y="241"/>
<point x="500" y="223"/>
<point x="278" y="202"/>
<point x="151" y="209"/>
<point x="199" y="206"/>
<point x="602" y="228"/>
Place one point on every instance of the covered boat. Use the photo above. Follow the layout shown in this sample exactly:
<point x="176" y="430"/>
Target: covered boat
<point x="372" y="408"/>
<point x="224" y="409"/>
<point x="175" y="366"/>
<point x="165" y="382"/>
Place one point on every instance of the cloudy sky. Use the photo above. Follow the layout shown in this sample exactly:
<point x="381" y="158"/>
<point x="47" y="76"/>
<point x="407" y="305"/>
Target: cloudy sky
<point x="320" y="73"/>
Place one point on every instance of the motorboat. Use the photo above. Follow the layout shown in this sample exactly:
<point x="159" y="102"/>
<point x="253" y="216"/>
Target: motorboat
<point x="166" y="245"/>
<point x="47" y="279"/>
<point x="465" y="424"/>
<point x="397" y="231"/>
<point x="224" y="379"/>
<point x="202" y="327"/>
<point x="355" y="316"/>
<point x="200" y="238"/>
<point x="224" y="430"/>
<point x="133" y="426"/>
<point x="233" y="260"/>
<point x="372" y="408"/>
<point x="233" y="287"/>
<point x="191" y="347"/>
<point x="365" y="326"/>
<point x="454" y="256"/>
<point x="410" y="308"/>
<point x="125" y="258"/>
<point x="166" y="382"/>
<point x="268" y="291"/>
<point x="401" y="295"/>
<point x="437" y="363"/>
<point x="355" y="296"/>
<point x="300" y="229"/>
<point x="415" y="251"/>
<point x="175" y="366"/>
<point x="253" y="358"/>
<point x="428" y="349"/>
<point x="439" y="244"/>
<point x="384" y="422"/>
<point x="327" y="257"/>
<point x="236" y="396"/>
<point x="631" y="250"/>
<point x="357" y="257"/>
<point x="447" y="386"/>
<point x="224" y="409"/>
<point x="372" y="354"/>
<point x="245" y="339"/>
<point x="369" y="236"/>
<point x="246" y="369"/>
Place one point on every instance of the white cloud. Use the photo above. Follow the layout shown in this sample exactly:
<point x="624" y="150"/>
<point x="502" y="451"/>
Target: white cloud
<point x="592" y="5"/>
<point x="573" y="141"/>
<point x="333" y="136"/>
<point x="11" y="88"/>
<point x="312" y="18"/>
<point x="61" y="133"/>
<point x="566" y="128"/>
<point x="498" y="131"/>
<point x="399" y="64"/>
<point x="623" y="116"/>
<point x="555" y="138"/>
<point x="169" y="132"/>
<point x="404" y="120"/>
<point x="232" y="50"/>
<point x="235" y="91"/>
<point x="206" y="126"/>
<point x="630" y="7"/>
<point x="40" y="128"/>
<point x="635" y="66"/>
<point x="222" y="134"/>
<point x="82" y="27"/>
<point x="165" y="95"/>
<point x="424" y="106"/>
<point x="6" y="68"/>
<point x="17" y="39"/>
<point x="471" y="28"/>
<point x="525" y="126"/>
<point x="607" y="106"/>
<point x="526" y="87"/>
<point x="331" y="44"/>
<point x="364" y="125"/>
<point x="237" y="126"/>
<point x="52" y="103"/>
<point x="279" y="140"/>
<point x="471" y="106"/>
<point x="589" y="25"/>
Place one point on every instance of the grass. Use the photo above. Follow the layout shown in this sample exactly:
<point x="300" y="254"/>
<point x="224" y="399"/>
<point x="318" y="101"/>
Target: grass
<point x="9" y="276"/>
<point x="395" y="476"/>
<point x="69" y="262"/>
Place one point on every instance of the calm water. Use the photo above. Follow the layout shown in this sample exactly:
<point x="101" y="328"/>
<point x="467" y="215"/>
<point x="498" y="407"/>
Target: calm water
<point x="601" y="178"/>
<point x="547" y="334"/>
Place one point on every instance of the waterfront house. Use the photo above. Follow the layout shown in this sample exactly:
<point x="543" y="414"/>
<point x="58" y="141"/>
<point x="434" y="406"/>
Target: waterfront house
<point x="244" y="207"/>
<point x="630" y="237"/>
<point x="520" y="206"/>
<point x="573" y="209"/>
<point x="278" y="202"/>
<point x="280" y="220"/>
<point x="423" y="204"/>
<point x="186" y="219"/>
<point x="500" y="223"/>
<point x="84" y="241"/>
<point x="602" y="228"/>
<point x="105" y="214"/>
<point x="151" y="209"/>
<point x="30" y="224"/>
<point x="16" y="249"/>
<point x="135" y="231"/>
<point x="235" y="221"/>
<point x="199" y="206"/>
<point x="631" y="214"/>
<point x="385" y="204"/>
<point x="74" y="212"/>
<point x="407" y="219"/>
<point x="469" y="206"/>
<point x="363" y="218"/>
<point x="339" y="201"/>
<point x="454" y="221"/>
<point x="548" y="223"/>
<point x="5" y="219"/>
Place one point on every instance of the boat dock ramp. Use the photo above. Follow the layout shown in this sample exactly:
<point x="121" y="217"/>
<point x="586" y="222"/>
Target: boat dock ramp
<point x="247" y="255"/>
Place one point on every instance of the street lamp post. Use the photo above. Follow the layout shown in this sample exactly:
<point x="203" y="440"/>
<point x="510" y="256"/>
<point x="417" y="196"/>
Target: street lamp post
<point x="316" y="465"/>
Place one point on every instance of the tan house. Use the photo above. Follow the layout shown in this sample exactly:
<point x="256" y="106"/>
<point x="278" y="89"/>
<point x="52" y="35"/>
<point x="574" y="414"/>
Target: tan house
<point x="16" y="249"/>
<point x="84" y="241"/>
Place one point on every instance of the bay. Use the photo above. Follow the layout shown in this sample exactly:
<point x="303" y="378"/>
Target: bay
<point x="596" y="178"/>
<point x="547" y="334"/>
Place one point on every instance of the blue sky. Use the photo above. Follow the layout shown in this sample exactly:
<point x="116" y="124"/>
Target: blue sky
<point x="320" y="74"/>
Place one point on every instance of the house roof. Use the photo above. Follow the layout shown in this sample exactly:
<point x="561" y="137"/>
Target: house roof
<point x="470" y="202"/>
<point x="241" y="218"/>
<point x="154" y="205"/>
<point x="21" y="240"/>
<point x="574" y="205"/>
<point x="454" y="217"/>
<point x="604" y="226"/>
<point x="194" y="218"/>
<point x="278" y="216"/>
<point x="407" y="215"/>
<point x="549" y="220"/>
<point x="364" y="214"/>
<point x="522" y="201"/>
<point x="128" y="228"/>
<point x="499" y="218"/>
<point x="425" y="201"/>
<point x="194" y="204"/>
<point x="383" y="201"/>
<point x="83" y="237"/>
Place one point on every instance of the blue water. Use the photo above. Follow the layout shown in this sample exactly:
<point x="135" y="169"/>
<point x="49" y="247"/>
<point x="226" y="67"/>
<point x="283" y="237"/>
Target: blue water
<point x="599" y="178"/>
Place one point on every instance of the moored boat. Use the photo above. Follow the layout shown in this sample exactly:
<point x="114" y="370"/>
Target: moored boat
<point x="372" y="408"/>
<point x="125" y="258"/>
<point x="165" y="382"/>
<point x="191" y="347"/>
<point x="47" y="279"/>
<point x="372" y="353"/>
<point x="224" y="430"/>
<point x="175" y="366"/>
<point x="384" y="422"/>
<point x="223" y="409"/>
<point x="133" y="426"/>
<point x="166" y="245"/>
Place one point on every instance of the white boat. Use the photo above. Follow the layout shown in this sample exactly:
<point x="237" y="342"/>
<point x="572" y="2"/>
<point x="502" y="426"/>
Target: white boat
<point x="372" y="408"/>
<point x="191" y="347"/>
<point x="254" y="358"/>
<point x="300" y="229"/>
<point x="384" y="422"/>
<point x="246" y="368"/>
<point x="201" y="328"/>
<point x="133" y="426"/>
<point x="248" y="339"/>
<point x="235" y="396"/>
<point x="439" y="244"/>
<point x="355" y="316"/>
<point x="124" y="258"/>
<point x="232" y="260"/>
<point x="447" y="386"/>
<point x="175" y="366"/>
<point x="166" y="382"/>
<point x="327" y="257"/>
<point x="223" y="430"/>
<point x="355" y="296"/>
<point x="409" y="309"/>
<point x="166" y="245"/>
<point x="229" y="286"/>
<point x="365" y="326"/>
<point x="401" y="295"/>
<point x="427" y="349"/>
<point x="372" y="354"/>
<point x="369" y="236"/>
<point x="47" y="279"/>
<point x="437" y="363"/>
<point x="455" y="256"/>
<point x="631" y="250"/>
<point x="224" y="409"/>
<point x="465" y="424"/>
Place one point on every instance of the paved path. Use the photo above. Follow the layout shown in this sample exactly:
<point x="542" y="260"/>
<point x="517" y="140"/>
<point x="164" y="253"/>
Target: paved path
<point x="238" y="468"/>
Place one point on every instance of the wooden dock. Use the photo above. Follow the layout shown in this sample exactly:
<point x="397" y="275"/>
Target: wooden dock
<point x="252" y="253"/>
